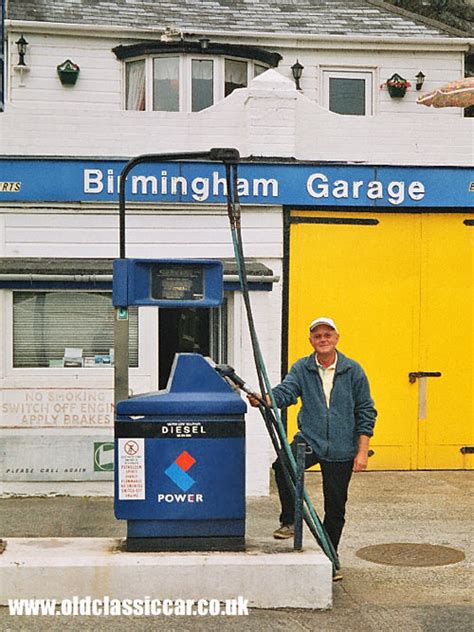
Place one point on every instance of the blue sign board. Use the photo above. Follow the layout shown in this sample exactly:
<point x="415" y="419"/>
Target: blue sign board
<point x="55" y="180"/>
<point x="189" y="479"/>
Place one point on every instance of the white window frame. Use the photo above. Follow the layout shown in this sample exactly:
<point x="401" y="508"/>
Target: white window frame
<point x="186" y="104"/>
<point x="368" y="74"/>
<point x="102" y="376"/>
<point x="185" y="77"/>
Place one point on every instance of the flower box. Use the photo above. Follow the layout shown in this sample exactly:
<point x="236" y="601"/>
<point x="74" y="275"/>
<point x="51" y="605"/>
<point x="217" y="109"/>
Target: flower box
<point x="68" y="72"/>
<point x="397" y="86"/>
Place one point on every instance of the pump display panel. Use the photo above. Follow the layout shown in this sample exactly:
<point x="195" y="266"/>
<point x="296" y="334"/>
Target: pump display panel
<point x="168" y="282"/>
<point x="182" y="282"/>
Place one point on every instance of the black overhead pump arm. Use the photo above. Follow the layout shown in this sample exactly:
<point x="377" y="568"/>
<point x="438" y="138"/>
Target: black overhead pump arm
<point x="220" y="154"/>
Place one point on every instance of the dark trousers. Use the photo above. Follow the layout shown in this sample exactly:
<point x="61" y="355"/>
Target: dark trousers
<point x="336" y="476"/>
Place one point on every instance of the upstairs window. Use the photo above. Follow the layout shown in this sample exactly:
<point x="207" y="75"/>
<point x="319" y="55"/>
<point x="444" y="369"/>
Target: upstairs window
<point x="348" y="92"/>
<point x="235" y="75"/>
<point x="135" y="85"/>
<point x="202" y="84"/>
<point x="188" y="76"/>
<point x="184" y="83"/>
<point x="166" y="84"/>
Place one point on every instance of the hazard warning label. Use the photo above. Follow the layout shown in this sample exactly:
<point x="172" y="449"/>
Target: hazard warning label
<point x="131" y="470"/>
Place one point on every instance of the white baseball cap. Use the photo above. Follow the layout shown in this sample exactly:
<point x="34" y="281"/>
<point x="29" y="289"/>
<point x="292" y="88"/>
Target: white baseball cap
<point x="323" y="321"/>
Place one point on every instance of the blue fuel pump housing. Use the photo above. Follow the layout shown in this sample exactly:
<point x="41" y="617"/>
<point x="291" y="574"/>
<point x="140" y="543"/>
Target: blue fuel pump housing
<point x="180" y="463"/>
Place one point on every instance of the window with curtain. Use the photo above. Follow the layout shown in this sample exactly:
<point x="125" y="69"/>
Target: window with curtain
<point x="235" y="75"/>
<point x="135" y="85"/>
<point x="166" y="84"/>
<point x="202" y="88"/>
<point x="184" y="82"/>
<point x="45" y="324"/>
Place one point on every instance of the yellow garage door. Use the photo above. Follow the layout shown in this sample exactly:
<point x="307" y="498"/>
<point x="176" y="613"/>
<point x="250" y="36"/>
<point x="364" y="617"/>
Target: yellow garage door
<point x="400" y="287"/>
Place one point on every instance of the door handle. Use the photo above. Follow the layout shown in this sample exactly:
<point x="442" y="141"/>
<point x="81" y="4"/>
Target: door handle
<point x="422" y="389"/>
<point x="412" y="377"/>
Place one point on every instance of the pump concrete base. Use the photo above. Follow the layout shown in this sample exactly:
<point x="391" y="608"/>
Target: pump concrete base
<point x="61" y="568"/>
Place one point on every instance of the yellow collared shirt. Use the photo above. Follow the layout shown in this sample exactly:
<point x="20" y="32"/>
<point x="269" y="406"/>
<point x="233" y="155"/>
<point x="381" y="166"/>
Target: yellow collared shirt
<point x="327" y="377"/>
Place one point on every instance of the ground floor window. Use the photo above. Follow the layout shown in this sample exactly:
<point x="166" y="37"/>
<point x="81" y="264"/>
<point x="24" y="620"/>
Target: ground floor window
<point x="67" y="329"/>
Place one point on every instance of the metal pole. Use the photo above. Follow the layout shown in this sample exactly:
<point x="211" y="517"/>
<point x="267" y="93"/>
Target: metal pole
<point x="121" y="337"/>
<point x="299" y="492"/>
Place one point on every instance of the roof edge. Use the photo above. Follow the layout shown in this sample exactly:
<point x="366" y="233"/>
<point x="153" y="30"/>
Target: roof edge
<point x="293" y="39"/>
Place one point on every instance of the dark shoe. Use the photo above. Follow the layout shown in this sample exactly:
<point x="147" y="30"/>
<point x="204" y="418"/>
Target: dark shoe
<point x="284" y="532"/>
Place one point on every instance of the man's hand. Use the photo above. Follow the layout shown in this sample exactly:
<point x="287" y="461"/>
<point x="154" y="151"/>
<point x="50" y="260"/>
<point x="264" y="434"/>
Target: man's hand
<point x="360" y="461"/>
<point x="254" y="402"/>
<point x="362" y="456"/>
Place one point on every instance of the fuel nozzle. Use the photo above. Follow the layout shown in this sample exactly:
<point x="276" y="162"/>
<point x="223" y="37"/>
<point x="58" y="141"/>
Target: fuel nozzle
<point x="226" y="371"/>
<point x="229" y="374"/>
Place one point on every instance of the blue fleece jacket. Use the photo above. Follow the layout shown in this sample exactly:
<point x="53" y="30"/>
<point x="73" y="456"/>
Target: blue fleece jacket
<point x="333" y="432"/>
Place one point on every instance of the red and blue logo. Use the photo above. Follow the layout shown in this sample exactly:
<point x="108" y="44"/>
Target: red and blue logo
<point x="177" y="471"/>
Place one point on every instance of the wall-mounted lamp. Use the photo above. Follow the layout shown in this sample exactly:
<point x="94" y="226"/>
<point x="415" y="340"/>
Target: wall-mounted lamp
<point x="204" y="41"/>
<point x="21" y="67"/>
<point x="22" y="45"/>
<point x="420" y="79"/>
<point x="297" y="71"/>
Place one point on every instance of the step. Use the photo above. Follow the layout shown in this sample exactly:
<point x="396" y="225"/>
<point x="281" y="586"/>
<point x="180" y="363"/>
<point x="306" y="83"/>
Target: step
<point x="267" y="574"/>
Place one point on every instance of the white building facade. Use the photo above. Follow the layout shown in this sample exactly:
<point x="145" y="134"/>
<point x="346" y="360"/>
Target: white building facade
<point x="188" y="77"/>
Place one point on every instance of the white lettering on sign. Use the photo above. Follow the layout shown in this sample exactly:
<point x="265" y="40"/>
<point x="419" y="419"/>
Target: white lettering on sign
<point x="180" y="498"/>
<point x="183" y="429"/>
<point x="131" y="469"/>
<point x="204" y="188"/>
<point x="200" y="189"/>
<point x="318" y="186"/>
<point x="57" y="408"/>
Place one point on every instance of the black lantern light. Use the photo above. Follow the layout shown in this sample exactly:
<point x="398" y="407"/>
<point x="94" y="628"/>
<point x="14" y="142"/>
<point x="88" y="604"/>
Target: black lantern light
<point x="22" y="45"/>
<point x="204" y="42"/>
<point x="420" y="78"/>
<point x="297" y="70"/>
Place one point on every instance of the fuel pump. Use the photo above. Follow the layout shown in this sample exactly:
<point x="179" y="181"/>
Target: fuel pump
<point x="179" y="453"/>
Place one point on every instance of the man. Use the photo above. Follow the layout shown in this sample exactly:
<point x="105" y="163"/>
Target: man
<point x="336" y="421"/>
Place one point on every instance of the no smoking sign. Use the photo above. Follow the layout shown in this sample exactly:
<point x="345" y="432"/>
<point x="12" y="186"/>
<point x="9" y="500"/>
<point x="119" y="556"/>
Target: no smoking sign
<point x="131" y="472"/>
<point x="131" y="448"/>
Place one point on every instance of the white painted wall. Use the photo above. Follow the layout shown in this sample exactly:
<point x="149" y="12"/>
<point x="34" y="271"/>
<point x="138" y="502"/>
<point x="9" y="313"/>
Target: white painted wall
<point x="268" y="119"/>
<point x="184" y="233"/>
<point x="438" y="66"/>
<point x="99" y="85"/>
